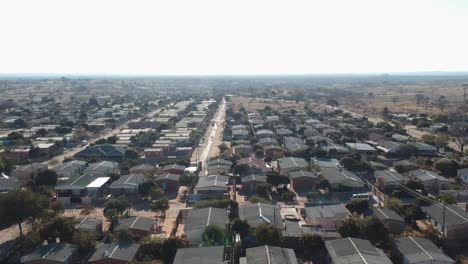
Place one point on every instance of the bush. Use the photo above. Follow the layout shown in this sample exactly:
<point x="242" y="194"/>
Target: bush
<point x="213" y="203"/>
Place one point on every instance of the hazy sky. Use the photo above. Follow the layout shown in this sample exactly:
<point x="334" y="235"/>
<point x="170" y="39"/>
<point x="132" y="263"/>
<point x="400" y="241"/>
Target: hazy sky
<point x="232" y="37"/>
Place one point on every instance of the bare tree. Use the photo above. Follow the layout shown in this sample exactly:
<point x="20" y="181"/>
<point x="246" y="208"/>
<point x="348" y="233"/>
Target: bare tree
<point x="459" y="132"/>
<point x="442" y="103"/>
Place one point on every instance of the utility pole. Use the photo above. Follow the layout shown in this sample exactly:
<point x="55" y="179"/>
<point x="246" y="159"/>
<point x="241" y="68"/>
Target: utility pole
<point x="443" y="221"/>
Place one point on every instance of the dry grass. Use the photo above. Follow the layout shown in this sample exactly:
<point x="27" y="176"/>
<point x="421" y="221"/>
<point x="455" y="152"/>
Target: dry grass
<point x="254" y="104"/>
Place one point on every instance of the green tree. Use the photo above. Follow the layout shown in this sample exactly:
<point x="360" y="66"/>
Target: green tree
<point x="375" y="231"/>
<point x="407" y="150"/>
<point x="241" y="227"/>
<point x="311" y="245"/>
<point x="160" y="206"/>
<point x="357" y="206"/>
<point x="60" y="227"/>
<point x="264" y="190"/>
<point x="46" y="178"/>
<point x="351" y="227"/>
<point x="213" y="235"/>
<point x="86" y="241"/>
<point x="21" y="205"/>
<point x="267" y="234"/>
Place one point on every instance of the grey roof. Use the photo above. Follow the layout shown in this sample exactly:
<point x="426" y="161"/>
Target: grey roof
<point x="103" y="166"/>
<point x="78" y="182"/>
<point x="256" y="214"/>
<point x="254" y="177"/>
<point x="70" y="166"/>
<point x="360" y="146"/>
<point x="168" y="176"/>
<point x="331" y="211"/>
<point x="268" y="141"/>
<point x="385" y="213"/>
<point x="219" y="166"/>
<point x="270" y="255"/>
<point x="292" y="162"/>
<point x="356" y="251"/>
<point x="9" y="183"/>
<point x="390" y="176"/>
<point x="463" y="171"/>
<point x="325" y="162"/>
<point x="124" y="251"/>
<point x="205" y="255"/>
<point x="59" y="252"/>
<point x="198" y="219"/>
<point x="425" y="175"/>
<point x="454" y="215"/>
<point x="136" y="222"/>
<point x="213" y="182"/>
<point x="341" y="176"/>
<point x="174" y="166"/>
<point x="220" y="161"/>
<point x="301" y="174"/>
<point x="128" y="181"/>
<point x="420" y="250"/>
<point x="142" y="167"/>
<point x="89" y="224"/>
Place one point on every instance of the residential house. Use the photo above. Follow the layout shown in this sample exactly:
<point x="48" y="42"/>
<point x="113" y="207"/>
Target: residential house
<point x="127" y="184"/>
<point x="326" y="217"/>
<point x="212" y="187"/>
<point x="250" y="182"/>
<point x="114" y="253"/>
<point x="342" y="180"/>
<point x="264" y="133"/>
<point x="356" y="251"/>
<point x="205" y="255"/>
<point x="463" y="174"/>
<point x="269" y="254"/>
<point x="169" y="182"/>
<point x="388" y="147"/>
<point x="419" y="250"/>
<point x="174" y="169"/>
<point x="70" y="168"/>
<point x="361" y="148"/>
<point x="54" y="253"/>
<point x="424" y="149"/>
<point x="81" y="188"/>
<point x="259" y="213"/>
<point x="220" y="162"/>
<point x="198" y="219"/>
<point x="273" y="151"/>
<point x="138" y="226"/>
<point x="90" y="225"/>
<point x="104" y="152"/>
<point x="325" y="162"/>
<point x="455" y="220"/>
<point x="102" y="169"/>
<point x="394" y="222"/>
<point x="243" y="150"/>
<point x="388" y="180"/>
<point x="267" y="141"/>
<point x="291" y="164"/>
<point x="405" y="165"/>
<point x="25" y="172"/>
<point x="432" y="181"/>
<point x="218" y="169"/>
<point x="141" y="169"/>
<point x="302" y="180"/>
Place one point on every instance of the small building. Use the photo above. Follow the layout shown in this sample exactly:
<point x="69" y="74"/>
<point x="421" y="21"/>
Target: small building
<point x="273" y="151"/>
<point x="456" y="220"/>
<point x="342" y="180"/>
<point x="418" y="250"/>
<point x="205" y="255"/>
<point x="326" y="217"/>
<point x="302" y="180"/>
<point x="212" y="187"/>
<point x="259" y="213"/>
<point x="361" y="148"/>
<point x="269" y="254"/>
<point x="138" y="226"/>
<point x="198" y="219"/>
<point x="391" y="219"/>
<point x="388" y="147"/>
<point x="174" y="169"/>
<point x="54" y="253"/>
<point x="356" y="251"/>
<point x="169" y="182"/>
<point x="80" y="189"/>
<point x="104" y="152"/>
<point x="114" y="253"/>
<point x="267" y="141"/>
<point x="424" y="149"/>
<point x="218" y="169"/>
<point x="70" y="168"/>
<point x="127" y="184"/>
<point x="291" y="164"/>
<point x="388" y="180"/>
<point x="103" y="169"/>
<point x="250" y="182"/>
<point x="432" y="181"/>
<point x="219" y="162"/>
<point x="405" y="165"/>
<point x="325" y="162"/>
<point x="243" y="150"/>
<point x="264" y="133"/>
<point x="141" y="169"/>
<point x="25" y="172"/>
<point x="90" y="225"/>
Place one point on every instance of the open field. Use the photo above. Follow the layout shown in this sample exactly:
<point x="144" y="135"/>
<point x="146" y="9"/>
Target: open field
<point x="253" y="104"/>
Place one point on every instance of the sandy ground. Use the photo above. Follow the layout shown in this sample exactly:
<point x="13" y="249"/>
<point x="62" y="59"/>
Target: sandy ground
<point x="212" y="139"/>
<point x="12" y="232"/>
